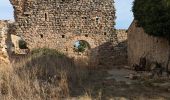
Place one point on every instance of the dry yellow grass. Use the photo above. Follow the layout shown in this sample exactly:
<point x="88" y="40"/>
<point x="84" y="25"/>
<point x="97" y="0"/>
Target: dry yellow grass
<point x="43" y="75"/>
<point x="46" y="74"/>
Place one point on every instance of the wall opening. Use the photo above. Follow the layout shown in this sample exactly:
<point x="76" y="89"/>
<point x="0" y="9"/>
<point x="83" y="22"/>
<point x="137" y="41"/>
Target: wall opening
<point x="84" y="17"/>
<point x="62" y="1"/>
<point x="6" y="10"/>
<point x="22" y="44"/>
<point x="45" y="16"/>
<point x="41" y="35"/>
<point x="97" y="19"/>
<point x="86" y="35"/>
<point x="63" y="36"/>
<point x="81" y="46"/>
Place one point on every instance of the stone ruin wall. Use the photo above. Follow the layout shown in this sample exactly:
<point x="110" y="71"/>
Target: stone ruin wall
<point x="141" y="44"/>
<point x="5" y="41"/>
<point x="3" y="44"/>
<point x="59" y="24"/>
<point x="52" y="23"/>
<point x="121" y="35"/>
<point x="120" y="50"/>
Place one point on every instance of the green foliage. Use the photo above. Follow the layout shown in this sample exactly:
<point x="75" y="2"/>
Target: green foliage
<point x="153" y="16"/>
<point x="83" y="45"/>
<point x="46" y="51"/>
<point x="22" y="44"/>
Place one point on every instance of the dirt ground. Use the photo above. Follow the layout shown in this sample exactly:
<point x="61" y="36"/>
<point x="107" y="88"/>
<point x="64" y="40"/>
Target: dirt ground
<point x="111" y="84"/>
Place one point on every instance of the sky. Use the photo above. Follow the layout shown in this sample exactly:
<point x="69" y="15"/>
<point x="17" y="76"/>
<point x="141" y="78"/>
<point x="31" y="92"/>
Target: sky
<point x="6" y="10"/>
<point x="123" y="12"/>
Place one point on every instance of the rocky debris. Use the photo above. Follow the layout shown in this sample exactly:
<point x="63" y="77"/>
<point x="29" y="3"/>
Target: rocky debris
<point x="119" y="98"/>
<point x="163" y="85"/>
<point x="148" y="70"/>
<point x="133" y="76"/>
<point x="4" y="47"/>
<point x="141" y="66"/>
<point x="121" y="75"/>
<point x="138" y="76"/>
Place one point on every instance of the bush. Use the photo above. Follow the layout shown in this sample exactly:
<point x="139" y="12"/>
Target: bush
<point x="153" y="16"/>
<point x="44" y="74"/>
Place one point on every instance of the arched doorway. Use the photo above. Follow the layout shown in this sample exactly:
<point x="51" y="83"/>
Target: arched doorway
<point x="82" y="47"/>
<point x="82" y="51"/>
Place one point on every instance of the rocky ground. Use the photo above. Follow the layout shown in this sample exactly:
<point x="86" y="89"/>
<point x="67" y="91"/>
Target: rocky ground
<point x="114" y="84"/>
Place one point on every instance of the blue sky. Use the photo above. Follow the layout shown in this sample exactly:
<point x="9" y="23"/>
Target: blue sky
<point x="6" y="10"/>
<point x="123" y="12"/>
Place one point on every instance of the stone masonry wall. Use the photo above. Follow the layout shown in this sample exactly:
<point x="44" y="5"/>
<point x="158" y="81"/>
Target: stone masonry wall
<point x="141" y="44"/>
<point x="4" y="42"/>
<point x="60" y="23"/>
<point x="121" y="35"/>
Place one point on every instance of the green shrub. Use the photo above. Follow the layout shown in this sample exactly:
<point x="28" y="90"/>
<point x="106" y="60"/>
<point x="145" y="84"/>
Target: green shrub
<point x="47" y="52"/>
<point x="153" y="16"/>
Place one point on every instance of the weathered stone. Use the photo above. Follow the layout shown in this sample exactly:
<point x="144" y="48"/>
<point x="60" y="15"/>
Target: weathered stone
<point x="121" y="35"/>
<point x="141" y="44"/>
<point x="59" y="24"/>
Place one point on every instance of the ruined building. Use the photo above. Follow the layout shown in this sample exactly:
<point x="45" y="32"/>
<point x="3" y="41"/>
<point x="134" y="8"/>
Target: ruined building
<point x="140" y="44"/>
<point x="59" y="24"/>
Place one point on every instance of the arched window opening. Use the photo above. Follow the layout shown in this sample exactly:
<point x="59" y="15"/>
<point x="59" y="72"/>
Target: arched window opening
<point x="81" y="46"/>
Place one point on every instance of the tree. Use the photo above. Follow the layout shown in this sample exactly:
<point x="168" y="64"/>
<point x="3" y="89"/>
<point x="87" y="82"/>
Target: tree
<point x="81" y="46"/>
<point x="153" y="16"/>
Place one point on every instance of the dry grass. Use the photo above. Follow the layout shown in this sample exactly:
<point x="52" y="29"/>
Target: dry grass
<point x="44" y="75"/>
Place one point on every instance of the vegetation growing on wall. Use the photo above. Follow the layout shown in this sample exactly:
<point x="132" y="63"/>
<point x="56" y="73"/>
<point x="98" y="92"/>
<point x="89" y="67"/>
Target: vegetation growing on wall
<point x="81" y="46"/>
<point x="153" y="16"/>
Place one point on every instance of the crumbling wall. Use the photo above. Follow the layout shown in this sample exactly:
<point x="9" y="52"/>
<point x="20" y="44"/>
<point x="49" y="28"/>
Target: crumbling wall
<point x="9" y="42"/>
<point x="141" y="44"/>
<point x="53" y="23"/>
<point x="121" y="35"/>
<point x="4" y="42"/>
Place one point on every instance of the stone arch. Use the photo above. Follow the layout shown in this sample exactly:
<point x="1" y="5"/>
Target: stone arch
<point x="90" y="58"/>
<point x="82" y="46"/>
<point x="69" y="44"/>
